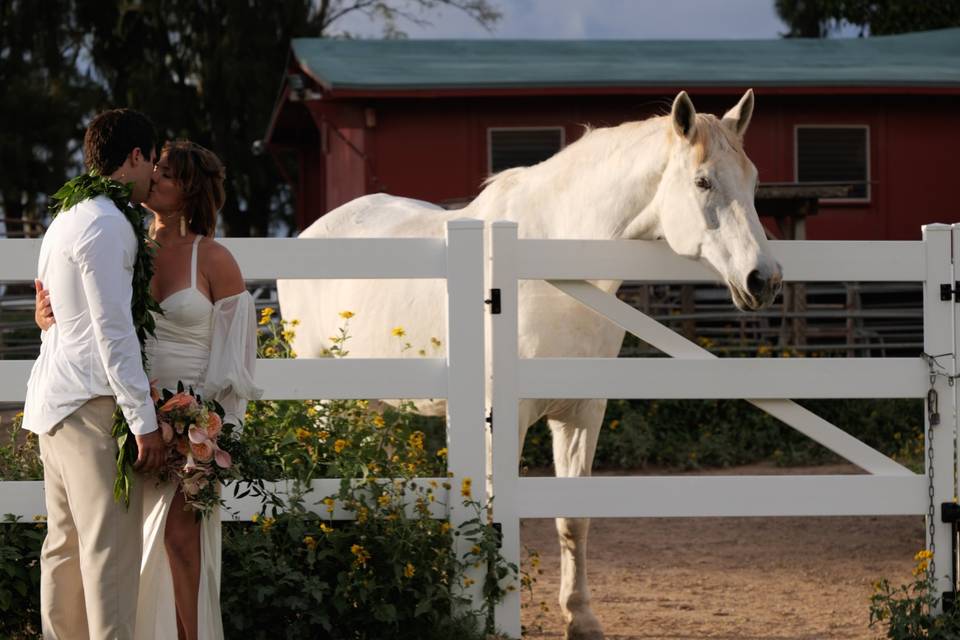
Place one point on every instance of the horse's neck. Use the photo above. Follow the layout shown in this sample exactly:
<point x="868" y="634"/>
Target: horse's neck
<point x="597" y="188"/>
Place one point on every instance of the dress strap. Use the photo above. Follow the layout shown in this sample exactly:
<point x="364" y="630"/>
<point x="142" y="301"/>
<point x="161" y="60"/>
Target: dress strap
<point x="193" y="263"/>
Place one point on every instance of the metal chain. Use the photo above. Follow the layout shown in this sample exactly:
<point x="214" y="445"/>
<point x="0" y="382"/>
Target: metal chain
<point x="933" y="419"/>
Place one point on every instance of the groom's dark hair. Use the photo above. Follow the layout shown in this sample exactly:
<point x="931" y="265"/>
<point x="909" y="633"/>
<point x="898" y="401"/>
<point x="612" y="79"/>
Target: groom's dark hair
<point x="113" y="135"/>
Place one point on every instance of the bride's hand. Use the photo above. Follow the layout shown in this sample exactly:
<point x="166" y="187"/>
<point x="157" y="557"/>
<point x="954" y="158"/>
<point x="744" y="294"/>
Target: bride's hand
<point x="43" y="312"/>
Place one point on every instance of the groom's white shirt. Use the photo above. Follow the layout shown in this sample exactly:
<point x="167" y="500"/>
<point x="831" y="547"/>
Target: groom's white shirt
<point x="86" y="261"/>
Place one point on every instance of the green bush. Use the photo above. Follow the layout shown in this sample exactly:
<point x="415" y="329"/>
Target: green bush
<point x="905" y="611"/>
<point x="20" y="578"/>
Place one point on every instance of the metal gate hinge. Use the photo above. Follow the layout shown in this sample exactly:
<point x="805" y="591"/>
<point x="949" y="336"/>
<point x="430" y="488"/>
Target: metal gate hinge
<point x="947" y="292"/>
<point x="489" y="419"/>
<point x="494" y="301"/>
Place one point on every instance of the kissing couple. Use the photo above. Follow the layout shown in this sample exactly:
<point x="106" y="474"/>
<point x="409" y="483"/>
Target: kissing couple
<point x="121" y="307"/>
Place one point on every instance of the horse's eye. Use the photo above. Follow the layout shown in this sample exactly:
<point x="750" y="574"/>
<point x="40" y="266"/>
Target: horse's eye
<point x="703" y="183"/>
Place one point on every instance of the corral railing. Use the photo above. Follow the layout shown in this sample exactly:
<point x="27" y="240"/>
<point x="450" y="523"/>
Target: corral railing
<point x="887" y="489"/>
<point x="458" y="259"/>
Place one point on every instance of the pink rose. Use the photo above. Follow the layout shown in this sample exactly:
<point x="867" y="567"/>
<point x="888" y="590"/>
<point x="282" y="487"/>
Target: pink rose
<point x="214" y="425"/>
<point x="182" y="400"/>
<point x="202" y="451"/>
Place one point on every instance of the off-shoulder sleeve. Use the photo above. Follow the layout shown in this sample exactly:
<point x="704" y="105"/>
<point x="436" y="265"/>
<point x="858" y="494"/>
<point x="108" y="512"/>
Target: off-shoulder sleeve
<point x="233" y="356"/>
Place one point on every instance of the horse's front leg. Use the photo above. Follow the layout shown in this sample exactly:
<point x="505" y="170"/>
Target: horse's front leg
<point x="574" y="433"/>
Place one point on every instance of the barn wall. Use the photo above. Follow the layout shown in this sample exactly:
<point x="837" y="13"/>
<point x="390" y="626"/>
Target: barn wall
<point x="436" y="149"/>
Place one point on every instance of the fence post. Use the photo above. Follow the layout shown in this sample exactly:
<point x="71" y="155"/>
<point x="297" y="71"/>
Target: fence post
<point x="505" y="407"/>
<point x="465" y="381"/>
<point x="938" y="341"/>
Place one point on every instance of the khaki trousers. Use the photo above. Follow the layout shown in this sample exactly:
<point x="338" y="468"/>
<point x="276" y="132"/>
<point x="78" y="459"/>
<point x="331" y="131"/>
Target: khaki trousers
<point x="90" y="562"/>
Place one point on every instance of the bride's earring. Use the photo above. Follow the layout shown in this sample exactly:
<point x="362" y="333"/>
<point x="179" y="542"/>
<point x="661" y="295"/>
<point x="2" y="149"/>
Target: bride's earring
<point x="183" y="226"/>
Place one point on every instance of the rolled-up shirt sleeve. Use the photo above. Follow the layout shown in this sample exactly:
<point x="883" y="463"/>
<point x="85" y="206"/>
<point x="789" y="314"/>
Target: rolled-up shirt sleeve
<point x="105" y="253"/>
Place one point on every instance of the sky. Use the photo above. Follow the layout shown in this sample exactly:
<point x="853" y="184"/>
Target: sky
<point x="599" y="19"/>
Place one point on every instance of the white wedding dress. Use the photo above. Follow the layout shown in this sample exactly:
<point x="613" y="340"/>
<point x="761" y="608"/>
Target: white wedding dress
<point x="211" y="347"/>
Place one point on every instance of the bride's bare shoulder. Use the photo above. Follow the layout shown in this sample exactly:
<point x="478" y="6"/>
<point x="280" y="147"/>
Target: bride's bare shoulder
<point x="220" y="269"/>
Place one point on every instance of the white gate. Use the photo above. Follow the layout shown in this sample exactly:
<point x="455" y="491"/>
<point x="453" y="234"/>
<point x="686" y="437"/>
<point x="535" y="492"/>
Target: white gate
<point x="888" y="489"/>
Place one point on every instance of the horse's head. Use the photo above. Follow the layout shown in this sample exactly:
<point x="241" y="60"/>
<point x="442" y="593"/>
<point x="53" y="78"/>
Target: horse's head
<point x="705" y="199"/>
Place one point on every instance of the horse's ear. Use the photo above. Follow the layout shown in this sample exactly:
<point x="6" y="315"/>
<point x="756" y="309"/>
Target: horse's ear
<point x="683" y="115"/>
<point x="738" y="118"/>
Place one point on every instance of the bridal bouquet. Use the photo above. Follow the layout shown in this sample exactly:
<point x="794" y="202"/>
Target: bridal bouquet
<point x="190" y="427"/>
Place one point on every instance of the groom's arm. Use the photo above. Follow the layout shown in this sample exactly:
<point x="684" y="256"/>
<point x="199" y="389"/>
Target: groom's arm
<point x="105" y="254"/>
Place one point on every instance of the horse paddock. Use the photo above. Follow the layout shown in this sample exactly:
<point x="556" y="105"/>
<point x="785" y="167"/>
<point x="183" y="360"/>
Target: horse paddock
<point x="730" y="578"/>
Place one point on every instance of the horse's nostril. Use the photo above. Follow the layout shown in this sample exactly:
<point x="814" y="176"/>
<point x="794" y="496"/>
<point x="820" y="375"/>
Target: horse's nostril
<point x="755" y="283"/>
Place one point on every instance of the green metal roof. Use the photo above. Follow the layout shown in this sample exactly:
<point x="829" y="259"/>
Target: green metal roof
<point x="926" y="59"/>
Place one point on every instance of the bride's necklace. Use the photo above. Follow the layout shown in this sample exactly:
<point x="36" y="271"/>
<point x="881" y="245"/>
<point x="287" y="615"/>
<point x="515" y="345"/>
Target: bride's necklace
<point x="91" y="185"/>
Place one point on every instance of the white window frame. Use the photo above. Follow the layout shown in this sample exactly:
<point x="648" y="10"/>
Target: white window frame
<point x="491" y="130"/>
<point x="796" y="159"/>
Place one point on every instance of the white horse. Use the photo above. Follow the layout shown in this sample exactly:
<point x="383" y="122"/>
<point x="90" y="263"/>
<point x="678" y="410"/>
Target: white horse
<point x="684" y="178"/>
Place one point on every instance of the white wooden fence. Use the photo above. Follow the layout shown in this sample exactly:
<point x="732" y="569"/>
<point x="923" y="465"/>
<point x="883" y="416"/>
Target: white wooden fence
<point x="887" y="489"/>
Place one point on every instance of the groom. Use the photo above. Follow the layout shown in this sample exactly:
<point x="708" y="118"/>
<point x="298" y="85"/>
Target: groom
<point x="90" y="362"/>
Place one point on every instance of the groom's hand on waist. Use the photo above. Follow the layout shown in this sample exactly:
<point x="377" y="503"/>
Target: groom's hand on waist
<point x="151" y="452"/>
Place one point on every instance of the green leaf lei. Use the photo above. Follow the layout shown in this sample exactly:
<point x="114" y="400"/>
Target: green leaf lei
<point x="91" y="185"/>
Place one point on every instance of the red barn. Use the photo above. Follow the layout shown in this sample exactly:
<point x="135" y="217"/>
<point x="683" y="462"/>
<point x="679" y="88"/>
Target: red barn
<point x="431" y="119"/>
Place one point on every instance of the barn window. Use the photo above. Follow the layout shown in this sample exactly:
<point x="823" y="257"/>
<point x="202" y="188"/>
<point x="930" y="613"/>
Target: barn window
<point x="521" y="147"/>
<point x="835" y="154"/>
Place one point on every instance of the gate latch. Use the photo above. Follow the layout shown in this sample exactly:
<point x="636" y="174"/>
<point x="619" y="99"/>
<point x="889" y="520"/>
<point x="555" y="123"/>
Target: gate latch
<point x="947" y="292"/>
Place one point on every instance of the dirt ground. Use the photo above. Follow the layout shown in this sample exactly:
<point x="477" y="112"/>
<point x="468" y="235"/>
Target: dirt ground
<point x="729" y="578"/>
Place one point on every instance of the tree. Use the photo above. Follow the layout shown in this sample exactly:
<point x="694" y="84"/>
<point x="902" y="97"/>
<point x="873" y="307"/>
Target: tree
<point x="818" y="18"/>
<point x="45" y="100"/>
<point x="210" y="70"/>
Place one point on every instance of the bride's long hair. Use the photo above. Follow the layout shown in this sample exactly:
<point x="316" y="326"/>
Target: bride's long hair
<point x="201" y="175"/>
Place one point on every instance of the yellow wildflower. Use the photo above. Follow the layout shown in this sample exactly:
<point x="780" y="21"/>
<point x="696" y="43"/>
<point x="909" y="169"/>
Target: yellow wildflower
<point x="383" y="500"/>
<point x="310" y="542"/>
<point x="614" y="424"/>
<point x="339" y="445"/>
<point x="416" y="440"/>
<point x="266" y="315"/>
<point x="255" y="517"/>
<point x="294" y="323"/>
<point x="444" y="527"/>
<point x="302" y="434"/>
<point x="409" y="570"/>
<point x="324" y="528"/>
<point x="465" y="487"/>
<point x="330" y="503"/>
<point x="288" y="336"/>
<point x="361" y="555"/>
<point x="266" y="523"/>
<point x="398" y="332"/>
<point x="323" y="435"/>
<point x="346" y="315"/>
<point x="475" y="550"/>
<point x="468" y="582"/>
<point x="442" y="452"/>
<point x="269" y="352"/>
<point x="435" y="342"/>
<point x="311" y="411"/>
<point x="378" y="421"/>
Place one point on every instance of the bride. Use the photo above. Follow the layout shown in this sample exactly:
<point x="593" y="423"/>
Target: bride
<point x="206" y="338"/>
